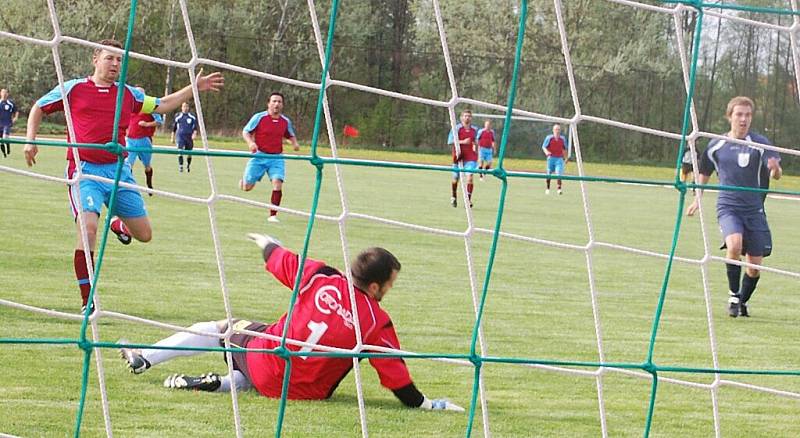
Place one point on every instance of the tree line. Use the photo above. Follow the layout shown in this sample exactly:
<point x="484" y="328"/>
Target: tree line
<point x="625" y="61"/>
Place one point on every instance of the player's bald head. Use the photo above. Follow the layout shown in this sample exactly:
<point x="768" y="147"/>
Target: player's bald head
<point x="556" y="129"/>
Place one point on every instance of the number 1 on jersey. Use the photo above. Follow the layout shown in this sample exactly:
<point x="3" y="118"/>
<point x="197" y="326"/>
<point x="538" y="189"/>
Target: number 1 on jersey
<point x="317" y="330"/>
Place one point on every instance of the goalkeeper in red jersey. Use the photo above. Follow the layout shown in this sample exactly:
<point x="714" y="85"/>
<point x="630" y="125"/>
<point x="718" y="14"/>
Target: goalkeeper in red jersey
<point x="323" y="315"/>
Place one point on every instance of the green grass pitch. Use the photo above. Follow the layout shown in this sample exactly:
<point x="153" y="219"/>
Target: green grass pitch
<point x="539" y="305"/>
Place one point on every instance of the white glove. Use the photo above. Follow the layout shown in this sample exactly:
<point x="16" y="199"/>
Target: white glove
<point x="263" y="240"/>
<point x="440" y="404"/>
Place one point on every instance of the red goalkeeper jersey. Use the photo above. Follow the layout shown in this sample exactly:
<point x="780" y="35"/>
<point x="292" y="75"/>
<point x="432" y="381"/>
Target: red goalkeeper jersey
<point x="322" y="315"/>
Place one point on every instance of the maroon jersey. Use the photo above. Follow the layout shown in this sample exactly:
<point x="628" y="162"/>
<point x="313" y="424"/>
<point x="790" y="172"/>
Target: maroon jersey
<point x="322" y="315"/>
<point x="136" y="131"/>
<point x="555" y="145"/>
<point x="485" y="138"/>
<point x="92" y="109"/>
<point x="269" y="132"/>
<point x="467" y="150"/>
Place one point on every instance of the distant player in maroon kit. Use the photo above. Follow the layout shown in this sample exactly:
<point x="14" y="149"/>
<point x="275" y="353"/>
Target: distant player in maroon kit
<point x="465" y="153"/>
<point x="555" y="147"/>
<point x="487" y="147"/>
<point x="265" y="133"/>
<point x="92" y="102"/>
<point x="141" y="129"/>
<point x="322" y="315"/>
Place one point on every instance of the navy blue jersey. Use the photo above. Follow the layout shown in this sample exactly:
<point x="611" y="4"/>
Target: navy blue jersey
<point x="739" y="165"/>
<point x="184" y="125"/>
<point x="7" y="110"/>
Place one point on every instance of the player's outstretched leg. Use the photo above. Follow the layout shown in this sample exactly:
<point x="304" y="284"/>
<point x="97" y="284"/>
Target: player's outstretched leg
<point x="140" y="360"/>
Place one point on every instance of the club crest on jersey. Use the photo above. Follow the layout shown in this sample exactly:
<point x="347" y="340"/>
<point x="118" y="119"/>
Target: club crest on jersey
<point x="327" y="300"/>
<point x="744" y="159"/>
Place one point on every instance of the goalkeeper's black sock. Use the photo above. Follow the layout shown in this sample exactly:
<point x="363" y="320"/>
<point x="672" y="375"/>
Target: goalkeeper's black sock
<point x="548" y="183"/>
<point x="734" y="275"/>
<point x="748" y="287"/>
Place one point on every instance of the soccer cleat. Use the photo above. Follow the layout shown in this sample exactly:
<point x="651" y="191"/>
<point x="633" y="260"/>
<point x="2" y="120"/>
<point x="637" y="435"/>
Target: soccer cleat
<point x="122" y="236"/>
<point x="91" y="309"/>
<point x="481" y="177"/>
<point x="560" y="192"/>
<point x="188" y="168"/>
<point x="546" y="191"/>
<point x="180" y="169"/>
<point x="207" y="382"/>
<point x="273" y="219"/>
<point x="733" y="305"/>
<point x="743" y="310"/>
<point x="137" y="364"/>
<point x="453" y="201"/>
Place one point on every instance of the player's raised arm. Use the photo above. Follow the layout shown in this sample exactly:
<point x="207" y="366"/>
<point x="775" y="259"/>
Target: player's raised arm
<point x="211" y="82"/>
<point x="283" y="263"/>
<point x="34" y="120"/>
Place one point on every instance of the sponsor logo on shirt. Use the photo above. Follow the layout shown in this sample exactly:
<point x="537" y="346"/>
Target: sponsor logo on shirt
<point x="744" y="159"/>
<point x="328" y="300"/>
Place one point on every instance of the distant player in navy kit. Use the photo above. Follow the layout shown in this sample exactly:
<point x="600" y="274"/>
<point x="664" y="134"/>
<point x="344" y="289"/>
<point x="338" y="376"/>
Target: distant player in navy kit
<point x="265" y="133"/>
<point x="184" y="131"/>
<point x="556" y="148"/>
<point x="487" y="146"/>
<point x="8" y="115"/>
<point x="741" y="214"/>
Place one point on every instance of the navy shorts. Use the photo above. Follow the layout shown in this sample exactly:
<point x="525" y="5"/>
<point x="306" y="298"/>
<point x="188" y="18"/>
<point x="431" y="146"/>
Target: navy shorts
<point x="756" y="237"/>
<point x="5" y="130"/>
<point x="241" y="340"/>
<point x="185" y="145"/>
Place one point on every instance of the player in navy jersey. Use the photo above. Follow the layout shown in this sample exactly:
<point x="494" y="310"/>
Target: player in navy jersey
<point x="184" y="131"/>
<point x="487" y="146"/>
<point x="265" y="133"/>
<point x="465" y="152"/>
<point x="323" y="315"/>
<point x="141" y="129"/>
<point x="8" y="115"/>
<point x="92" y="104"/>
<point x="741" y="214"/>
<point x="555" y="147"/>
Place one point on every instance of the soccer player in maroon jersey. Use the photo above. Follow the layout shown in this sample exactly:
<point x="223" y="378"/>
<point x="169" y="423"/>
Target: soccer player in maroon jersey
<point x="555" y="147"/>
<point x="322" y="315"/>
<point x="265" y="133"/>
<point x="92" y="104"/>
<point x="487" y="146"/>
<point x="464" y="152"/>
<point x="141" y="129"/>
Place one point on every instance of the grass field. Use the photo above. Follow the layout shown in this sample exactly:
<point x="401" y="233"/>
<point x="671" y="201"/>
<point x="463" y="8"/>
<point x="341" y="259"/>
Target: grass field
<point x="538" y="306"/>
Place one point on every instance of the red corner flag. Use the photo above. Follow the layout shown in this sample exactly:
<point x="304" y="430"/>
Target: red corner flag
<point x="350" y="131"/>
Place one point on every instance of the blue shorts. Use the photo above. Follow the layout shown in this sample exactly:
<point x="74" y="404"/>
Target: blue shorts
<point x="756" y="237"/>
<point x="5" y="130"/>
<point x="94" y="194"/>
<point x="468" y="165"/>
<point x="143" y="142"/>
<point x="485" y="154"/>
<point x="275" y="168"/>
<point x="555" y="164"/>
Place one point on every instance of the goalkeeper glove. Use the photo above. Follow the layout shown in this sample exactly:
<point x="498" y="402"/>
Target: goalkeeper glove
<point x="263" y="241"/>
<point x="440" y="404"/>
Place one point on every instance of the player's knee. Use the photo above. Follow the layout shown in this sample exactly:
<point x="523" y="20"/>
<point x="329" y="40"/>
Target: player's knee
<point x="143" y="234"/>
<point x="752" y="272"/>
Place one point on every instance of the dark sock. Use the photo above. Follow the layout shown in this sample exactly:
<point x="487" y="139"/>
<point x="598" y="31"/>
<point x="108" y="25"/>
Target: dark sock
<point x="148" y="173"/>
<point x="188" y="162"/>
<point x="469" y="191"/>
<point x="180" y="160"/>
<point x="559" y="184"/>
<point x="82" y="274"/>
<point x="454" y="186"/>
<point x="748" y="287"/>
<point x="734" y="274"/>
<point x="275" y="200"/>
<point x="548" y="183"/>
